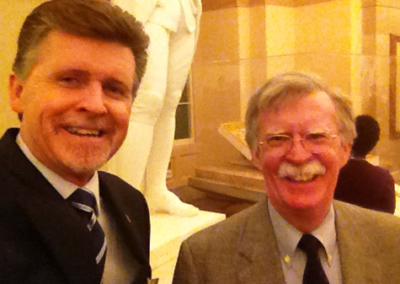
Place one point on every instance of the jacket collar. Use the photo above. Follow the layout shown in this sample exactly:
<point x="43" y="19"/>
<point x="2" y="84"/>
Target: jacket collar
<point x="114" y="198"/>
<point x="356" y="250"/>
<point x="258" y="255"/>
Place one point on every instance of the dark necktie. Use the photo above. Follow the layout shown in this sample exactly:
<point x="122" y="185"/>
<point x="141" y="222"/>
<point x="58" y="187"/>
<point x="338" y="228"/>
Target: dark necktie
<point x="85" y="203"/>
<point x="313" y="273"/>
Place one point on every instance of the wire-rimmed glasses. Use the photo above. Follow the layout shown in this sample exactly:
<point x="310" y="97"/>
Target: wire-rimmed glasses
<point x="314" y="142"/>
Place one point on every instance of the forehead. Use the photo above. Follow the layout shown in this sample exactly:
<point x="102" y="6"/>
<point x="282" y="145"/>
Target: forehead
<point x="61" y="50"/>
<point x="302" y="113"/>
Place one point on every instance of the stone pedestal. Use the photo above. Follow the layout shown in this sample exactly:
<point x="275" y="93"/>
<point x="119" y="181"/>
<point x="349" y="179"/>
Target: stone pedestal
<point x="167" y="234"/>
<point x="235" y="133"/>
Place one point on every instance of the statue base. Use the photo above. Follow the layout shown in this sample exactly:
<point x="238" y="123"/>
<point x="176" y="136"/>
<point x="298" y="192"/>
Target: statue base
<point x="167" y="234"/>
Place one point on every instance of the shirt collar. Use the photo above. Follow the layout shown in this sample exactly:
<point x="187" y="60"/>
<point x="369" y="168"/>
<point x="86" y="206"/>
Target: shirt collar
<point x="288" y="236"/>
<point x="63" y="187"/>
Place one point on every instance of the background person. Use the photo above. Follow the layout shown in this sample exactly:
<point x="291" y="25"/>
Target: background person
<point x="300" y="134"/>
<point x="360" y="182"/>
<point x="77" y="68"/>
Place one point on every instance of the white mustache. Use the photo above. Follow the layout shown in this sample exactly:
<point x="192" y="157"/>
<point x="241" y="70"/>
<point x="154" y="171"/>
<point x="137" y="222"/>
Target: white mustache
<point x="303" y="172"/>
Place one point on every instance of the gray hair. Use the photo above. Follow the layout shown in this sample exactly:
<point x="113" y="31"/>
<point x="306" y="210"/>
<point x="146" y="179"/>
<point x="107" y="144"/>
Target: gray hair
<point x="97" y="19"/>
<point x="288" y="86"/>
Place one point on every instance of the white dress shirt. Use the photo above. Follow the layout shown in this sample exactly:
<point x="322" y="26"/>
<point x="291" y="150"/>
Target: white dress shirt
<point x="293" y="259"/>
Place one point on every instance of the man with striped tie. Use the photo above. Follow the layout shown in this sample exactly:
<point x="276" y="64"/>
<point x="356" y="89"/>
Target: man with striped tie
<point x="75" y="75"/>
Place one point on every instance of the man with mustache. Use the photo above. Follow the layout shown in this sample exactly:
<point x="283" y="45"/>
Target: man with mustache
<point x="75" y="75"/>
<point x="300" y="133"/>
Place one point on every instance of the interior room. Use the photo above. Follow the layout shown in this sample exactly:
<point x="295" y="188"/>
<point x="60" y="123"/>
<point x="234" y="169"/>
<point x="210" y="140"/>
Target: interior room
<point x="352" y="44"/>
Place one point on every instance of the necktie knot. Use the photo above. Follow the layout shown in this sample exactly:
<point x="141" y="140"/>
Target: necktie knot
<point x="84" y="200"/>
<point x="309" y="244"/>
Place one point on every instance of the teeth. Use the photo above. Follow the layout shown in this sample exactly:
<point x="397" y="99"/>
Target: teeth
<point x="302" y="178"/>
<point x="81" y="131"/>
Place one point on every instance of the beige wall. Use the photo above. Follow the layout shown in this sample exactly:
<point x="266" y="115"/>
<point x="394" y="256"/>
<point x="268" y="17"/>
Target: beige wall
<point x="386" y="17"/>
<point x="12" y="15"/>
<point x="252" y="50"/>
<point x="216" y="83"/>
<point x="280" y="39"/>
<point x="323" y="41"/>
<point x="244" y="42"/>
<point x="344" y="41"/>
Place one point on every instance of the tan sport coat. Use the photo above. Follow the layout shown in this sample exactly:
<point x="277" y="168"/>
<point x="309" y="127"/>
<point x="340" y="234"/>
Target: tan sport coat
<point x="243" y="249"/>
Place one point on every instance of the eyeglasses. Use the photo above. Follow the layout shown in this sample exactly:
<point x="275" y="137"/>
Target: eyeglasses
<point x="314" y="142"/>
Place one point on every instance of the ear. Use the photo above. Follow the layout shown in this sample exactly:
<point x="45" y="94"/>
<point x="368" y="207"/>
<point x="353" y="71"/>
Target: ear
<point x="346" y="149"/>
<point x="15" y="88"/>
<point x="256" y="158"/>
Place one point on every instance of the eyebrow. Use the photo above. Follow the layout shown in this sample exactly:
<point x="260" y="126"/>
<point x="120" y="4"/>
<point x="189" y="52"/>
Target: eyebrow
<point x="86" y="74"/>
<point x="280" y="132"/>
<point x="312" y="130"/>
<point x="75" y="72"/>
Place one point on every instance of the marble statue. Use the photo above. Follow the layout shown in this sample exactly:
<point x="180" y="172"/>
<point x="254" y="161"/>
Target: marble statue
<point x="173" y="27"/>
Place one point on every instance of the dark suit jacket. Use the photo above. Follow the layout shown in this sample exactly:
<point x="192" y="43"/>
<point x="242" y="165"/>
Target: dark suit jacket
<point x="366" y="185"/>
<point x="243" y="249"/>
<point x="41" y="237"/>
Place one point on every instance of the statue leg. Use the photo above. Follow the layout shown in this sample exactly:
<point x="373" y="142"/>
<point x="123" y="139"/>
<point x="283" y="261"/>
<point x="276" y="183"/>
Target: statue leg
<point x="159" y="198"/>
<point x="130" y="161"/>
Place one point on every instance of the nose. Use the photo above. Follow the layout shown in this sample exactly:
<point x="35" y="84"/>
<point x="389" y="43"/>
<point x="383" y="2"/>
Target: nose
<point x="93" y="99"/>
<point x="297" y="153"/>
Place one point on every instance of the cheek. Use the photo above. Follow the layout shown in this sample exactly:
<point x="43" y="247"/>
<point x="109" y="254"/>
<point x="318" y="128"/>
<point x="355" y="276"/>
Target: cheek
<point x="121" y="113"/>
<point x="333" y="164"/>
<point x="50" y="105"/>
<point x="271" y="162"/>
<point x="124" y="115"/>
<point x="335" y="159"/>
<point x="270" y="167"/>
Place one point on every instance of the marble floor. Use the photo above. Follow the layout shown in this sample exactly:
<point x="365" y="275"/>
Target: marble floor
<point x="211" y="202"/>
<point x="168" y="231"/>
<point x="167" y="234"/>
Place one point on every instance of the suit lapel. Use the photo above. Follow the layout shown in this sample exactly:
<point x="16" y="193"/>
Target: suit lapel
<point x="52" y="216"/>
<point x="258" y="256"/>
<point x="114" y="198"/>
<point x="358" y="266"/>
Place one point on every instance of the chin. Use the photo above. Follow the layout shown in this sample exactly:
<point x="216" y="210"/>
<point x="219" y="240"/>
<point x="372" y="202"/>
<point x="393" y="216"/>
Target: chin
<point x="85" y="162"/>
<point x="85" y="168"/>
<point x="303" y="203"/>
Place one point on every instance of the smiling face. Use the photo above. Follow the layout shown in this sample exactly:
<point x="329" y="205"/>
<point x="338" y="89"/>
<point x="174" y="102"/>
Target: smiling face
<point x="75" y="103"/>
<point x="287" y="191"/>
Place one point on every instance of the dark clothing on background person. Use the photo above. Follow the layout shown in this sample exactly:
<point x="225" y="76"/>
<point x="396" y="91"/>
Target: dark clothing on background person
<point x="366" y="185"/>
<point x="42" y="238"/>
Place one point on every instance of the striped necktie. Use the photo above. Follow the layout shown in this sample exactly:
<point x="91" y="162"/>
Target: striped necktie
<point x="86" y="206"/>
<point x="314" y="272"/>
